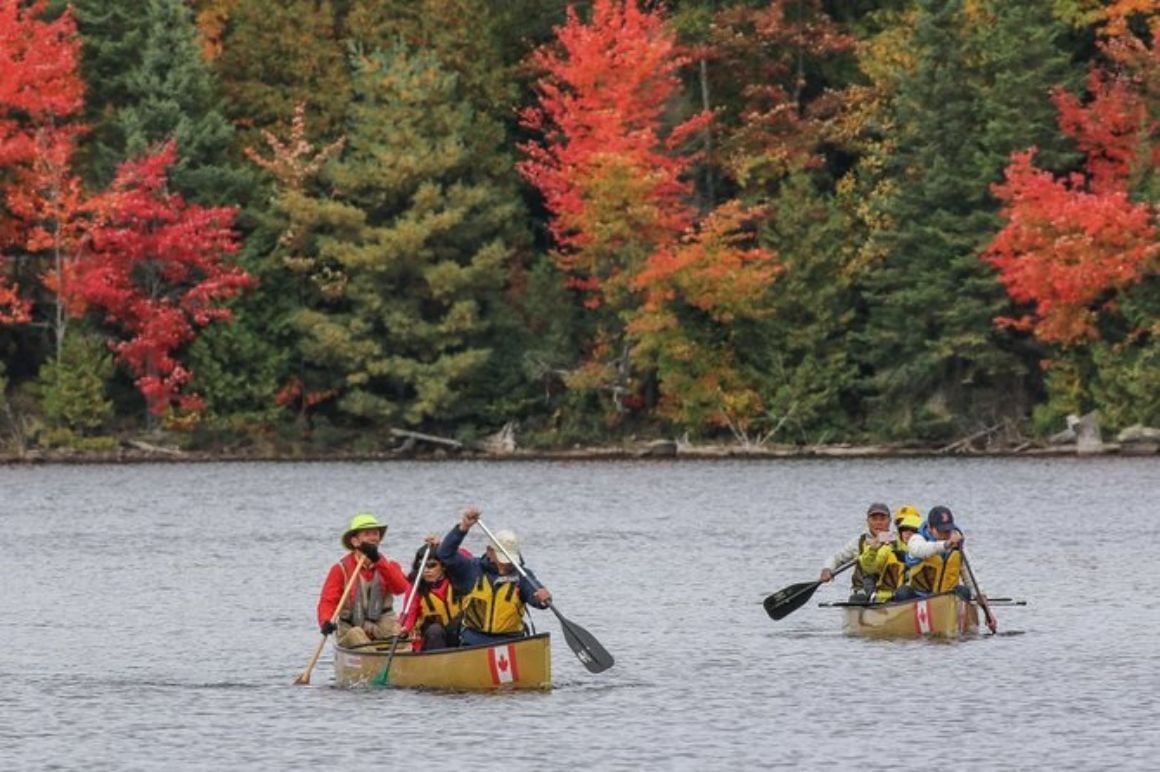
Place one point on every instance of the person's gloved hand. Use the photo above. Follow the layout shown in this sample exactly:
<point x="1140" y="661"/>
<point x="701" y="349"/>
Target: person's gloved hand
<point x="328" y="628"/>
<point x="370" y="550"/>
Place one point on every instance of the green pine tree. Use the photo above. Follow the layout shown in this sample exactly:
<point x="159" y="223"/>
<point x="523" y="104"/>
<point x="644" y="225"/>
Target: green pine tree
<point x="148" y="84"/>
<point x="938" y="365"/>
<point x="415" y="242"/>
<point x="278" y="54"/>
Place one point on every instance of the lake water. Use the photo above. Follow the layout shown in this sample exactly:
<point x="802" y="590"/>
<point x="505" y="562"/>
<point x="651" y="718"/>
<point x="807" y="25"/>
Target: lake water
<point x="156" y="616"/>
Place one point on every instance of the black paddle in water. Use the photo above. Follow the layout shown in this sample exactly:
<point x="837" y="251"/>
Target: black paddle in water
<point x="788" y="600"/>
<point x="992" y="623"/>
<point x="586" y="648"/>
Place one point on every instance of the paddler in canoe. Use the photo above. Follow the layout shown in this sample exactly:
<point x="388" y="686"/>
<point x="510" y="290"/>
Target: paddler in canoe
<point x="434" y="617"/>
<point x="357" y="597"/>
<point x="934" y="558"/>
<point x="877" y="534"/>
<point x="494" y="593"/>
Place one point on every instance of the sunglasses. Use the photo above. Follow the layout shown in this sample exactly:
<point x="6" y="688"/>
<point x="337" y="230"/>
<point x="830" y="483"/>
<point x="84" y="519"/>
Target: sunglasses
<point x="432" y="564"/>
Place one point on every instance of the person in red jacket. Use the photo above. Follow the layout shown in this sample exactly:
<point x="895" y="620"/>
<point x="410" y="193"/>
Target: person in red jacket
<point x="367" y="614"/>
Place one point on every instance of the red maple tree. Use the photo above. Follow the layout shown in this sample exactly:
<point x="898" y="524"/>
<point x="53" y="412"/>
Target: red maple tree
<point x="154" y="269"/>
<point x="39" y="92"/>
<point x="606" y="87"/>
<point x="616" y="183"/>
<point x="1071" y="243"/>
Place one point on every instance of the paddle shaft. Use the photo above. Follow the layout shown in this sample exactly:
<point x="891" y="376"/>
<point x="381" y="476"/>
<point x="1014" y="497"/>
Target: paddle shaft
<point x="383" y="677"/>
<point x="841" y="568"/>
<point x="507" y="554"/>
<point x="789" y="599"/>
<point x="304" y="678"/>
<point x="519" y="568"/>
<point x="583" y="644"/>
<point x="992" y="623"/>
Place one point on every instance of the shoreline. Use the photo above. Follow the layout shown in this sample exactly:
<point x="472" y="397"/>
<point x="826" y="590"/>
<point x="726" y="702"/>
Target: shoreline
<point x="142" y="453"/>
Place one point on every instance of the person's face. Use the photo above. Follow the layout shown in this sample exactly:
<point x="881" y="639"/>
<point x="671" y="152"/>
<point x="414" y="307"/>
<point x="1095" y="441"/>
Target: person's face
<point x="372" y="536"/>
<point x="879" y="522"/>
<point x="503" y="567"/>
<point x="942" y="534"/>
<point x="905" y="533"/>
<point x="433" y="570"/>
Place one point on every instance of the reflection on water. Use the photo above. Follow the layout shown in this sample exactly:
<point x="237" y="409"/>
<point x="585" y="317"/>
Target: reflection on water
<point x="159" y="615"/>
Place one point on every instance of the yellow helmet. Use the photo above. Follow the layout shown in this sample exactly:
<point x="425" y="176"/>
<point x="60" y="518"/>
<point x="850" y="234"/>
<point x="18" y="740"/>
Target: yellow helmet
<point x="364" y="521"/>
<point x="904" y="511"/>
<point x="909" y="521"/>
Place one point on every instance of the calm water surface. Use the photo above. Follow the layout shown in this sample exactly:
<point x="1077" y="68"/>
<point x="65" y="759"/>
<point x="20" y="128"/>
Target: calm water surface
<point x="156" y="616"/>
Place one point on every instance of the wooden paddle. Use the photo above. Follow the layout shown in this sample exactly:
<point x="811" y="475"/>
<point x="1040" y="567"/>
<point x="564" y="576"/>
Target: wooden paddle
<point x="383" y="678"/>
<point x="788" y="600"/>
<point x="304" y="678"/>
<point x="992" y="623"/>
<point x="586" y="648"/>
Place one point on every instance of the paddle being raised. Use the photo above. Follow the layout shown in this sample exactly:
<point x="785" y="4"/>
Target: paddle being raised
<point x="496" y="589"/>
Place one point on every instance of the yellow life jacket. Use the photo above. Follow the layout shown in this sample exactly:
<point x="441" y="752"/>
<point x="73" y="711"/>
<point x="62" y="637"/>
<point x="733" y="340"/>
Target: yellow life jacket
<point x="858" y="581"/>
<point x="432" y="608"/>
<point x="494" y="607"/>
<point x="938" y="573"/>
<point x="891" y="570"/>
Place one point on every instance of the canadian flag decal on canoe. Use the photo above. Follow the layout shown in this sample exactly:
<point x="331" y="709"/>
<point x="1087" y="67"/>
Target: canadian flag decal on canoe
<point x="502" y="661"/>
<point x="922" y="617"/>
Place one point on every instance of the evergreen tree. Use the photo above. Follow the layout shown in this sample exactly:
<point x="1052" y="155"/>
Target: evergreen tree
<point x="937" y="361"/>
<point x="276" y="55"/>
<point x="802" y="348"/>
<point x="413" y="242"/>
<point x="152" y="86"/>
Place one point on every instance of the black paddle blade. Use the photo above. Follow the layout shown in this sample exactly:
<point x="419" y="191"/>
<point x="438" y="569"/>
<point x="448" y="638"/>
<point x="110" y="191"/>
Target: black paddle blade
<point x="586" y="648"/>
<point x="784" y="602"/>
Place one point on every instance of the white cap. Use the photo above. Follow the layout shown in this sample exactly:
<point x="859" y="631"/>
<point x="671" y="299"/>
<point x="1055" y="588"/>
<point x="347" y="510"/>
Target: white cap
<point x="507" y="540"/>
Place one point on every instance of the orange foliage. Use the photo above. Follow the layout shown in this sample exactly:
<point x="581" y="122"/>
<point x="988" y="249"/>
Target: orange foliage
<point x="627" y="237"/>
<point x="1070" y="245"/>
<point x="1065" y="248"/>
<point x="606" y="87"/>
<point x="1110" y="128"/>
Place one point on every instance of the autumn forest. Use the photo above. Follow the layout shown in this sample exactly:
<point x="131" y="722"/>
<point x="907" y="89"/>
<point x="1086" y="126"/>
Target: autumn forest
<point x="298" y="225"/>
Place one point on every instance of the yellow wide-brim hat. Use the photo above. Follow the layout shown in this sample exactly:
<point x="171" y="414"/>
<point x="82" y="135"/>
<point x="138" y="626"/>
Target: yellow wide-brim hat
<point x="363" y="521"/>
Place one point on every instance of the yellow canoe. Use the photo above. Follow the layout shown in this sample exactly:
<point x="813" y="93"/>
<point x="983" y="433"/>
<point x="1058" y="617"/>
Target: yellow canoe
<point x="938" y="616"/>
<point x="521" y="663"/>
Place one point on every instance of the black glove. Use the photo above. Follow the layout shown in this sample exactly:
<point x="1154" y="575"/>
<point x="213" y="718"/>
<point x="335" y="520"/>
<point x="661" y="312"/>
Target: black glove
<point x="370" y="550"/>
<point x="328" y="628"/>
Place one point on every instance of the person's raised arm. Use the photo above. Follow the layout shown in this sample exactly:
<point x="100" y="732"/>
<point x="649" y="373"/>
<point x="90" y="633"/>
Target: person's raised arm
<point x="461" y="570"/>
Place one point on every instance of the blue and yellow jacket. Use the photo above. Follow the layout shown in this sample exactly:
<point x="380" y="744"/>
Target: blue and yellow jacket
<point x="492" y="602"/>
<point x="937" y="573"/>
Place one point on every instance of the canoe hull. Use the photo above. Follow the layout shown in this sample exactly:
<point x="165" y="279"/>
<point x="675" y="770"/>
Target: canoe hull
<point x="939" y="616"/>
<point x="522" y="663"/>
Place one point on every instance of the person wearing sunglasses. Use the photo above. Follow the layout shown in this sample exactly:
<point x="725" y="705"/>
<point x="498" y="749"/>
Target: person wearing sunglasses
<point x="434" y="616"/>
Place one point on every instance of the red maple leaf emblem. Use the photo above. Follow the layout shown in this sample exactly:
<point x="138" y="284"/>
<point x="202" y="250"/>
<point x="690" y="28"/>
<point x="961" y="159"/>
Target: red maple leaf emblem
<point x="502" y="664"/>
